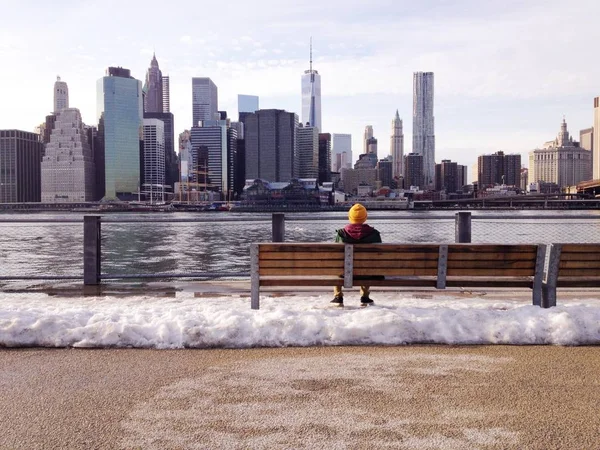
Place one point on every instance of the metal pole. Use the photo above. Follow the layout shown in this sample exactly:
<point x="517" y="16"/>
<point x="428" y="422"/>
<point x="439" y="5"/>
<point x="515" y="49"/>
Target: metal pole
<point x="278" y="226"/>
<point x="91" y="250"/>
<point x="462" y="227"/>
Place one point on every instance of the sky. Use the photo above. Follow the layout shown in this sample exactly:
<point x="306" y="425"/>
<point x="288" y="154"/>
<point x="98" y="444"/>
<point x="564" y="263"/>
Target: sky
<point x="505" y="71"/>
<point x="303" y="319"/>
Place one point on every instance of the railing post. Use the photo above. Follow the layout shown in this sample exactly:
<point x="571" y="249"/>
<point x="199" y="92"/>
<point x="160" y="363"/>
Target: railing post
<point x="278" y="223"/>
<point x="91" y="250"/>
<point x="462" y="227"/>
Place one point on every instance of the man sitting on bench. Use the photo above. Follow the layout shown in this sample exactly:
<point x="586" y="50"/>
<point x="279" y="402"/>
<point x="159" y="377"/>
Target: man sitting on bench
<point x="356" y="232"/>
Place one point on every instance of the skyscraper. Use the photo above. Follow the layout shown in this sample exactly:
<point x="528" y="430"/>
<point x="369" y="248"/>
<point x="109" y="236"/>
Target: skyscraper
<point x="341" y="152"/>
<point x="311" y="96"/>
<point x="68" y="172"/>
<point x="423" y="124"/>
<point x="61" y="95"/>
<point x="219" y="140"/>
<point x="413" y="170"/>
<point x="153" y="183"/>
<point x="20" y="156"/>
<point x="384" y="172"/>
<point x="397" y="146"/>
<point x="308" y="151"/>
<point x="120" y="108"/>
<point x="324" y="158"/>
<point x="205" y="99"/>
<point x="153" y="100"/>
<point x="271" y="145"/>
<point x="247" y="103"/>
<point x="586" y="139"/>
<point x="166" y="91"/>
<point x="368" y="135"/>
<point x="596" y="144"/>
<point x="171" y="164"/>
<point x="372" y="146"/>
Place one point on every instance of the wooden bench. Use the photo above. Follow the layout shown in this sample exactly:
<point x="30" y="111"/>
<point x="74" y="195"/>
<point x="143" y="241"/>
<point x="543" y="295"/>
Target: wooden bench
<point x="403" y="265"/>
<point x="571" y="266"/>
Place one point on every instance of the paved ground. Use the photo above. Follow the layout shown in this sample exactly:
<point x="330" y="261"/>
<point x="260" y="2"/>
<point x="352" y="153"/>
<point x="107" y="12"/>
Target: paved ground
<point x="418" y="397"/>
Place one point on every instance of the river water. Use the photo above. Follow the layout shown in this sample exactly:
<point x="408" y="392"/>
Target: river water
<point x="219" y="242"/>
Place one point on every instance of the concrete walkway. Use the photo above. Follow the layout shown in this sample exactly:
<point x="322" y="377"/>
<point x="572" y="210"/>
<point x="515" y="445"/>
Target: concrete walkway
<point x="418" y="397"/>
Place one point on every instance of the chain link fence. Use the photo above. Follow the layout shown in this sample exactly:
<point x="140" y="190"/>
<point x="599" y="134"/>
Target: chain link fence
<point x="175" y="246"/>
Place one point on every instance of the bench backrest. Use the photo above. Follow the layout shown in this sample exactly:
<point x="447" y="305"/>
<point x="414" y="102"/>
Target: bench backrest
<point x="300" y="259"/>
<point x="579" y="260"/>
<point x="395" y="260"/>
<point x="483" y="260"/>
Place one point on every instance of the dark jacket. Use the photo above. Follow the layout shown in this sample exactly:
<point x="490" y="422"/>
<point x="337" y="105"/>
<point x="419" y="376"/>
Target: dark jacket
<point x="359" y="234"/>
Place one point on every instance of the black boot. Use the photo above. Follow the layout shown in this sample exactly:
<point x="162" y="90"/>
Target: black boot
<point x="338" y="300"/>
<point x="365" y="301"/>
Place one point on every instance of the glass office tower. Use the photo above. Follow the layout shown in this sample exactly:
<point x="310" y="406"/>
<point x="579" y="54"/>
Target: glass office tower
<point x="247" y="103"/>
<point x="120" y="105"/>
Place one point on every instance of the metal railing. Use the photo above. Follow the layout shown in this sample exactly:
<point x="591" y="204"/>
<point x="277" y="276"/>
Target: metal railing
<point x="216" y="246"/>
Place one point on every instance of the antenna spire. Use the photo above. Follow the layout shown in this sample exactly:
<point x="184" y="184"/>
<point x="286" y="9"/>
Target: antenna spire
<point x="311" y="54"/>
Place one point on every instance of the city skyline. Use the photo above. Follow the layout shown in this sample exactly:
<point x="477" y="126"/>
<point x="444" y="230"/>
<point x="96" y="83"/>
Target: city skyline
<point x="500" y="92"/>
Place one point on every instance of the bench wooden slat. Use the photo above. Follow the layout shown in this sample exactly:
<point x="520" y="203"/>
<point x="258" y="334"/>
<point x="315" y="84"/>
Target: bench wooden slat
<point x="512" y="256"/>
<point x="582" y="282"/>
<point x="579" y="257"/>
<point x="300" y="271"/>
<point x="301" y="256"/>
<point x="525" y="282"/>
<point x="500" y="264"/>
<point x="306" y="247"/>
<point x="588" y="264"/>
<point x="490" y="248"/>
<point x="395" y="248"/>
<point x="489" y="272"/>
<point x="578" y="273"/>
<point x="402" y="282"/>
<point x="291" y="263"/>
<point x="391" y="256"/>
<point x="581" y="248"/>
<point x="293" y="281"/>
<point x="395" y="272"/>
<point x="366" y="264"/>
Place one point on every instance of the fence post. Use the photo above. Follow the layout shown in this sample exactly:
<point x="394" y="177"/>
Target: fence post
<point x="91" y="250"/>
<point x="278" y="226"/>
<point x="462" y="227"/>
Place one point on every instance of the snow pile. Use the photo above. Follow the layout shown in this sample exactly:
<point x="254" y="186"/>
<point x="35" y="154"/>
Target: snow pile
<point x="186" y="321"/>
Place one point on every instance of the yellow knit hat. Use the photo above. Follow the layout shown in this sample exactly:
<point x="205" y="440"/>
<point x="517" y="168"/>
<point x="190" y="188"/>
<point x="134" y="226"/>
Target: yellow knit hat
<point x="357" y="214"/>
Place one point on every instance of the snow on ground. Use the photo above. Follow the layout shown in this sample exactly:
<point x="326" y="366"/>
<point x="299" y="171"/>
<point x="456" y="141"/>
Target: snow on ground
<point x="186" y="321"/>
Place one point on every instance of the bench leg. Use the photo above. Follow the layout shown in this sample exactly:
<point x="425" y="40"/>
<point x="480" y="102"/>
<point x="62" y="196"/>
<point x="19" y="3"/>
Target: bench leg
<point x="254" y="277"/>
<point x="548" y="296"/>
<point x="255" y="296"/>
<point x="537" y="296"/>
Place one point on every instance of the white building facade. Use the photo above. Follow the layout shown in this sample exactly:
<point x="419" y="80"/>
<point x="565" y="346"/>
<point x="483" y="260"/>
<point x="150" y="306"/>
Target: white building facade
<point x="311" y="96"/>
<point x="61" y="95"/>
<point x="423" y="124"/>
<point x="397" y="146"/>
<point x="561" y="161"/>
<point x="68" y="165"/>
<point x="368" y="134"/>
<point x="153" y="184"/>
